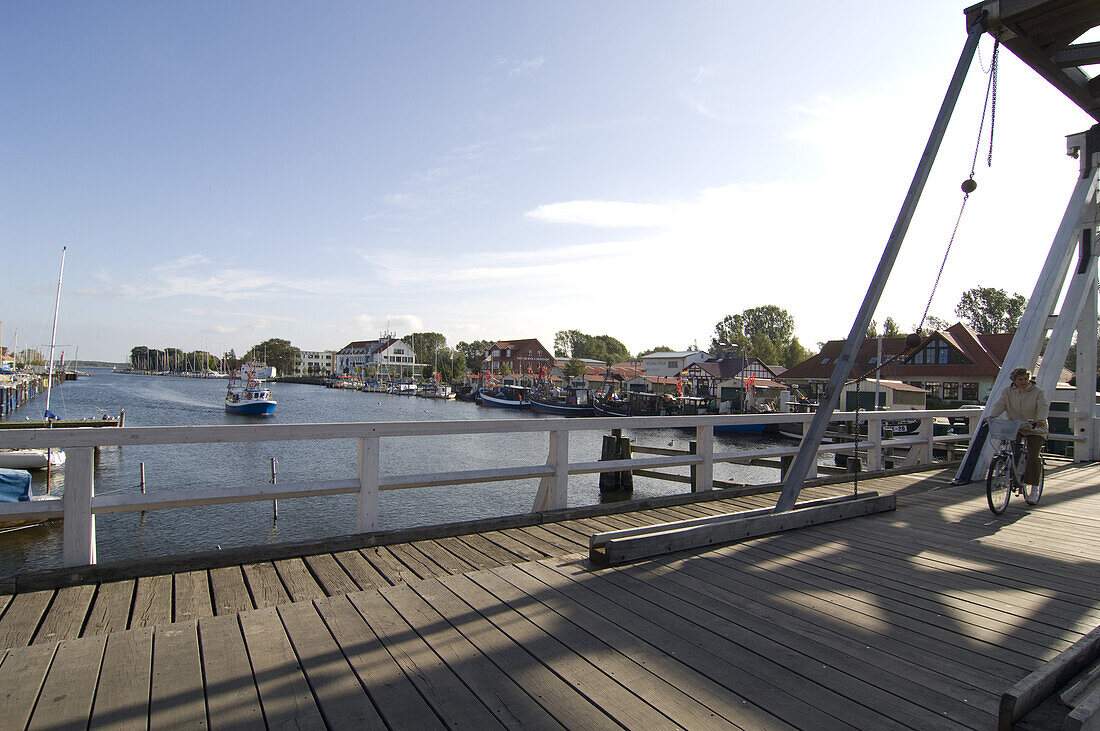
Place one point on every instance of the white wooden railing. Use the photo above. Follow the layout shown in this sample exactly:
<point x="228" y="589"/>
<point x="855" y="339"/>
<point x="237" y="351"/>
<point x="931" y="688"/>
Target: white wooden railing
<point x="80" y="504"/>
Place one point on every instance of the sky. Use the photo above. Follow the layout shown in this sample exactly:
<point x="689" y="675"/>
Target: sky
<point x="224" y="173"/>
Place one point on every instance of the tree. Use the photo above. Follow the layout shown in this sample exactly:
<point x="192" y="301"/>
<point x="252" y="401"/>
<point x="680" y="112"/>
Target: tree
<point x="763" y="332"/>
<point x="575" y="344"/>
<point x="424" y="346"/>
<point x="275" y="352"/>
<point x="890" y="329"/>
<point x="574" y="368"/>
<point x="474" y="353"/>
<point x="991" y="310"/>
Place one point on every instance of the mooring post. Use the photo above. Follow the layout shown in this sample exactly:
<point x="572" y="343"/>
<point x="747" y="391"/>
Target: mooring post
<point x="141" y="467"/>
<point x="274" y="503"/>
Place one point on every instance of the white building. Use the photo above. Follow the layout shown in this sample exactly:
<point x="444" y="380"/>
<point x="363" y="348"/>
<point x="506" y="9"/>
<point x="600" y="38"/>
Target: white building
<point x="385" y="358"/>
<point x="314" y="362"/>
<point x="667" y="365"/>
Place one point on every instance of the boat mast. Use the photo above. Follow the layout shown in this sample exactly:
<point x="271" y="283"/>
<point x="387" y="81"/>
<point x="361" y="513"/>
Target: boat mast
<point x="53" y="334"/>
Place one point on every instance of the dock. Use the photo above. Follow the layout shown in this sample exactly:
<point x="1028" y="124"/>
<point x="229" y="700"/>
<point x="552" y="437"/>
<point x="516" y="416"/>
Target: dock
<point x="917" y="618"/>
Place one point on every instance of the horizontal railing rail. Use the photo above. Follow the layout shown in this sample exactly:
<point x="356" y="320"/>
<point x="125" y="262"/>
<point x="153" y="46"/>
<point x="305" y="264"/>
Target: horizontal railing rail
<point x="80" y="504"/>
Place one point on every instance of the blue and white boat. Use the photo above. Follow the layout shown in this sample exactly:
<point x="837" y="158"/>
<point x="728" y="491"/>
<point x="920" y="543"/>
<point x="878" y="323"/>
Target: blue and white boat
<point x="246" y="394"/>
<point x="506" y="397"/>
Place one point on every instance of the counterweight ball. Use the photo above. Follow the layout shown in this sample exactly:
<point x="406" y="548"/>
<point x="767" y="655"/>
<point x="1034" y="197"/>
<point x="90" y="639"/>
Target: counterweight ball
<point x="912" y="340"/>
<point x="969" y="186"/>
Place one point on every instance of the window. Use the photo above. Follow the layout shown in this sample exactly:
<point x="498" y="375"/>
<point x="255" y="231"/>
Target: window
<point x="970" y="392"/>
<point x="672" y="364"/>
<point x="950" y="391"/>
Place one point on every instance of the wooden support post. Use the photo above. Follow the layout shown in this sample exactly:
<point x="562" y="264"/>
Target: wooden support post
<point x="553" y="493"/>
<point x="367" y="503"/>
<point x="274" y="503"/>
<point x="704" y="475"/>
<point x="615" y="447"/>
<point x="79" y="524"/>
<point x="874" y="452"/>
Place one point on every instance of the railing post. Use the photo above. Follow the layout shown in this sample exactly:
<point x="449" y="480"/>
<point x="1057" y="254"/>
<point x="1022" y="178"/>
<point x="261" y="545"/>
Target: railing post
<point x="874" y="452"/>
<point x="78" y="547"/>
<point x="553" y="493"/>
<point x="704" y="474"/>
<point x="367" y="503"/>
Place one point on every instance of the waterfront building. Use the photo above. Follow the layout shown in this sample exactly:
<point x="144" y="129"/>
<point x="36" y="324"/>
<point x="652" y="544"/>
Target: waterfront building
<point x="314" y="362"/>
<point x="956" y="364"/>
<point x="386" y="358"/>
<point x="526" y="357"/>
<point x="724" y="378"/>
<point x="668" y="364"/>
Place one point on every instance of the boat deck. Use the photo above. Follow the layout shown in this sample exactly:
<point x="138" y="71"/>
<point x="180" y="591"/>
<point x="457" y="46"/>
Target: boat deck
<point x="918" y="618"/>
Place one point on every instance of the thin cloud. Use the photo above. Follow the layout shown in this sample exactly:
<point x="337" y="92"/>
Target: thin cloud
<point x="529" y="66"/>
<point x="605" y="214"/>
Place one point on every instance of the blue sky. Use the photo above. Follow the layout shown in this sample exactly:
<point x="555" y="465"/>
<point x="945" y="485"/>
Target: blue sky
<point x="224" y="173"/>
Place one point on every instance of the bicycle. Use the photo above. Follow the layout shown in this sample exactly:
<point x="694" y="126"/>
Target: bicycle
<point x="1007" y="466"/>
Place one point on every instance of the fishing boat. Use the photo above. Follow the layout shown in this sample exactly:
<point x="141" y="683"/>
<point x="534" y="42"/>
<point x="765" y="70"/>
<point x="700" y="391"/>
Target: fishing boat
<point x="563" y="402"/>
<point x="633" y="403"/>
<point x="466" y="393"/>
<point x="247" y="394"/>
<point x="15" y="487"/>
<point x="506" y="397"/>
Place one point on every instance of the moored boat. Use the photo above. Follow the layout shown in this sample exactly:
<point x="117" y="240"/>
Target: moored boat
<point x="247" y="394"/>
<point x="15" y="487"/>
<point x="31" y="459"/>
<point x="568" y="402"/>
<point x="506" y="397"/>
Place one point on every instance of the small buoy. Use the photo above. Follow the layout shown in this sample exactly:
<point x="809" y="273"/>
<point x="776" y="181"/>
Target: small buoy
<point x="969" y="186"/>
<point x="912" y="340"/>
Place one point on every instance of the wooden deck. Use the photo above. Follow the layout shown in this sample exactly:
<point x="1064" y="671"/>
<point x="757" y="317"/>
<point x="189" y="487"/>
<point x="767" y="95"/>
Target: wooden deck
<point x="918" y="618"/>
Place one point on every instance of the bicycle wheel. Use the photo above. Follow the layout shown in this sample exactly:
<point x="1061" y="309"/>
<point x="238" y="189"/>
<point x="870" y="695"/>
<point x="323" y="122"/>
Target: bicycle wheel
<point x="1032" y="493"/>
<point x="998" y="484"/>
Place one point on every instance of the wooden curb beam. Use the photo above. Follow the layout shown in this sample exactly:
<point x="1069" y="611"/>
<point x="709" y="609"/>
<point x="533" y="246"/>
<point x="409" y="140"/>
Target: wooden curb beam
<point x="1049" y="679"/>
<point x="631" y="544"/>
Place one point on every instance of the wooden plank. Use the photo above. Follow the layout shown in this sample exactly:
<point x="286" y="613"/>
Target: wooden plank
<point x="111" y="608"/>
<point x="67" y="693"/>
<point x="330" y="574"/>
<point x="22" y="672"/>
<point x="231" y="698"/>
<point x="360" y="569"/>
<point x="299" y="582"/>
<point x="65" y="617"/>
<point x="621" y="550"/>
<point x="418" y="563"/>
<point x="5" y="600"/>
<point x="568" y="704"/>
<point x="536" y="542"/>
<point x="264" y="583"/>
<point x="191" y="596"/>
<point x="392" y="692"/>
<point x="388" y="565"/>
<point x="494" y="551"/>
<point x="21" y="620"/>
<point x="284" y="692"/>
<point x="230" y="593"/>
<point x="341" y="699"/>
<point x="472" y="556"/>
<point x="906" y="692"/>
<point x="712" y="703"/>
<point x="506" y="700"/>
<point x="570" y="540"/>
<point x="122" y="698"/>
<point x="517" y="589"/>
<point x="549" y="649"/>
<point x="152" y="601"/>
<point x="176" y="693"/>
<point x="509" y="543"/>
<point x="443" y="558"/>
<point x="448" y="696"/>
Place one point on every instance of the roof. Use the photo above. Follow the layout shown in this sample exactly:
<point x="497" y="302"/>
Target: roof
<point x="658" y="355"/>
<point x="986" y="351"/>
<point x="1041" y="33"/>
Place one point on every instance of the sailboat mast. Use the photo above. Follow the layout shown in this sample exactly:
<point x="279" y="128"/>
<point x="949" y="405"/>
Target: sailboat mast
<point x="53" y="334"/>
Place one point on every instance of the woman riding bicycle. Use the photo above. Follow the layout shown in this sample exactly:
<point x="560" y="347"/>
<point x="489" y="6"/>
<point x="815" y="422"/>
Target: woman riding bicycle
<point x="1024" y="401"/>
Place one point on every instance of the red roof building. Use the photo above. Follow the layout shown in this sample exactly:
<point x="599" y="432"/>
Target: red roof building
<point x="956" y="364"/>
<point x="523" y="357"/>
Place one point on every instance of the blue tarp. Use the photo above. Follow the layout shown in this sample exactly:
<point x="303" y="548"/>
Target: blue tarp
<point x="15" y="485"/>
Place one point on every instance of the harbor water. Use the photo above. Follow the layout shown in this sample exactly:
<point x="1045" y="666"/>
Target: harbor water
<point x="175" y="401"/>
